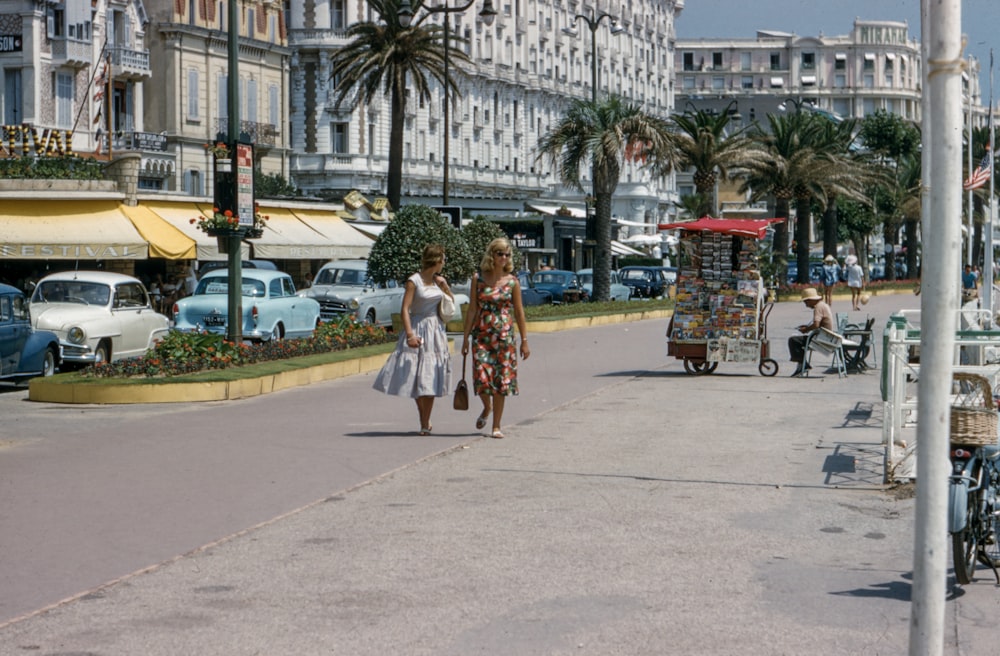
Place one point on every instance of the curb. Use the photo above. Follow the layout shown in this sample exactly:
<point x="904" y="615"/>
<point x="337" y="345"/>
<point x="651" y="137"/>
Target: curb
<point x="46" y="391"/>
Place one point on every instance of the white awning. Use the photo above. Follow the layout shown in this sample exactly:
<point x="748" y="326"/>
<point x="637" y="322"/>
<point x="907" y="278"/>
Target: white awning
<point x="777" y="82"/>
<point x="341" y="240"/>
<point x="287" y="237"/>
<point x="870" y="56"/>
<point x="179" y="215"/>
<point x="553" y="210"/>
<point x="840" y="56"/>
<point x="890" y="55"/>
<point x="809" y="80"/>
<point x="372" y="230"/>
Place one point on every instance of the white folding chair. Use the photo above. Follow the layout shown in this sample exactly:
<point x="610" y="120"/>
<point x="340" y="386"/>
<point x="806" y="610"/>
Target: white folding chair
<point x="829" y="343"/>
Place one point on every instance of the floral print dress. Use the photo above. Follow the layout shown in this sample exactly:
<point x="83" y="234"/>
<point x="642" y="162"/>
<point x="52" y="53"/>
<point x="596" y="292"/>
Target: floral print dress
<point x="494" y="369"/>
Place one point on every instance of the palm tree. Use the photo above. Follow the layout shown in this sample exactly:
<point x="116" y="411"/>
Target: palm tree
<point x="383" y="58"/>
<point x="604" y="134"/>
<point x="702" y="141"/>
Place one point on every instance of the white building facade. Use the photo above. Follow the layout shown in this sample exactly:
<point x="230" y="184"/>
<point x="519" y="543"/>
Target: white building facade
<point x="525" y="67"/>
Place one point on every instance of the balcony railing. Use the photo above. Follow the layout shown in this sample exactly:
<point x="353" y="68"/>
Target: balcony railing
<point x="130" y="63"/>
<point x="72" y="52"/>
<point x="261" y="134"/>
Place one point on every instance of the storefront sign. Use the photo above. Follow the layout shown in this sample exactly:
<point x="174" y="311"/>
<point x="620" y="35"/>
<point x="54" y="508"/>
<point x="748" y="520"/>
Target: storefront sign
<point x="72" y="251"/>
<point x="10" y="43"/>
<point x="150" y="141"/>
<point x="523" y="240"/>
<point x="20" y="139"/>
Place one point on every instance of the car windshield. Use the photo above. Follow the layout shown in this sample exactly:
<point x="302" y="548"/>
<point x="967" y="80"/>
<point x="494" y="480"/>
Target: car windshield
<point x="587" y="278"/>
<point x="341" y="277"/>
<point x="217" y="285"/>
<point x="72" y="291"/>
<point x="635" y="274"/>
<point x="549" y="277"/>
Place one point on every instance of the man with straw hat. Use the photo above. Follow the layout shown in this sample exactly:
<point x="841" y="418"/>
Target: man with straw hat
<point x="822" y="318"/>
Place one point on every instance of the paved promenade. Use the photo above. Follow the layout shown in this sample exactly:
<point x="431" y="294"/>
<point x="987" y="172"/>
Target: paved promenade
<point x="654" y="513"/>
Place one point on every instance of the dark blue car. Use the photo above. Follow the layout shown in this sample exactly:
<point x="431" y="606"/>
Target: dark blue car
<point x="24" y="352"/>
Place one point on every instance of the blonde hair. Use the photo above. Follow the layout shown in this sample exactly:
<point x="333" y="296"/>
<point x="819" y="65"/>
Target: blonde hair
<point x="433" y="254"/>
<point x="500" y="244"/>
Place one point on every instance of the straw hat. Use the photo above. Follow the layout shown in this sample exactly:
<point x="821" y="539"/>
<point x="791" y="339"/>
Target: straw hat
<point x="829" y="259"/>
<point x="810" y="294"/>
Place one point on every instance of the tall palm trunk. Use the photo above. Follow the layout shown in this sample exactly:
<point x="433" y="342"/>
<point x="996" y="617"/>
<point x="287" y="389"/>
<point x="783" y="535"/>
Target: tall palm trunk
<point x="803" y="218"/>
<point x="890" y="235"/>
<point x="830" y="227"/>
<point x="912" y="246"/>
<point x="602" y="253"/>
<point x="779" y="254"/>
<point x="978" y="212"/>
<point x="394" y="182"/>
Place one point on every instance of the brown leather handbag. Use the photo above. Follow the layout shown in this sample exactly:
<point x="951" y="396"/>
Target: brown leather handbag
<point x="461" y="401"/>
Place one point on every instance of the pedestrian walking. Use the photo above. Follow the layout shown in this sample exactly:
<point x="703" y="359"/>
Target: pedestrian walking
<point x="855" y="281"/>
<point x="420" y="366"/>
<point x="494" y="308"/>
<point x="830" y="274"/>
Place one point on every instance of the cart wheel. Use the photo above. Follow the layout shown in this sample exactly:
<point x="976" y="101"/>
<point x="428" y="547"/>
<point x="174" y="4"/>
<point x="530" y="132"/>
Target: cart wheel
<point x="699" y="367"/>
<point x="768" y="367"/>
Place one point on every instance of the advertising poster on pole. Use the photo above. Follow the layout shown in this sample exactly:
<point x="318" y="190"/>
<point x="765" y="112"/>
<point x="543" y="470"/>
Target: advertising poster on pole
<point x="244" y="184"/>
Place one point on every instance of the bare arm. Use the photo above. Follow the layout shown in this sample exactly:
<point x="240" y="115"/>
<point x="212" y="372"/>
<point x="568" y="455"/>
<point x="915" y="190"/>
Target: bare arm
<point x="471" y="313"/>
<point x="411" y="339"/>
<point x="522" y="326"/>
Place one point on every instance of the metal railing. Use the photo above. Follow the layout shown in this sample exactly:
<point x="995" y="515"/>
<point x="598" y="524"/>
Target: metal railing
<point x="261" y="134"/>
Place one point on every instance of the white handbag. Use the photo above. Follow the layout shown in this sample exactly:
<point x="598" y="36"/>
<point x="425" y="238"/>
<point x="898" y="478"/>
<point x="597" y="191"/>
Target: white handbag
<point x="446" y="308"/>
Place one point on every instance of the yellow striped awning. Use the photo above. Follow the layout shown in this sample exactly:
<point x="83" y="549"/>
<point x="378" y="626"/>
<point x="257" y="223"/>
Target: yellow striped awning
<point x="165" y="240"/>
<point x="59" y="230"/>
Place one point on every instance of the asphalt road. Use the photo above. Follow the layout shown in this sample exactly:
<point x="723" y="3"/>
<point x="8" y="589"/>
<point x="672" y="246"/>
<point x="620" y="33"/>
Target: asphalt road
<point x="632" y="509"/>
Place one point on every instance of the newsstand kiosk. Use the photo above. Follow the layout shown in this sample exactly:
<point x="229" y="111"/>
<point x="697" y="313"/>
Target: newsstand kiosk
<point x="721" y="312"/>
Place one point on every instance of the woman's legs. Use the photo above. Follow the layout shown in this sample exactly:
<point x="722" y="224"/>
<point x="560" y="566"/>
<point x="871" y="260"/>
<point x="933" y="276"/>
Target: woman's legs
<point x="855" y="297"/>
<point x="498" y="402"/>
<point x="424" y="406"/>
<point x="481" y="419"/>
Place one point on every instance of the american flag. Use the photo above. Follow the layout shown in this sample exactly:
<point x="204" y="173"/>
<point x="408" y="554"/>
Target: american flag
<point x="982" y="173"/>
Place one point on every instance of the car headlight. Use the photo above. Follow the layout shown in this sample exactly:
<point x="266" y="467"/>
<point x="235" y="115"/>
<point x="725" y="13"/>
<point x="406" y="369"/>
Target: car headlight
<point x="354" y="304"/>
<point x="76" y="335"/>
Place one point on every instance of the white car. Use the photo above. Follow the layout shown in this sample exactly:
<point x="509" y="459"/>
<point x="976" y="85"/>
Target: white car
<point x="98" y="316"/>
<point x="344" y="287"/>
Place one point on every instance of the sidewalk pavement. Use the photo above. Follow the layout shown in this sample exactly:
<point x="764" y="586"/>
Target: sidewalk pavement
<point x="662" y="514"/>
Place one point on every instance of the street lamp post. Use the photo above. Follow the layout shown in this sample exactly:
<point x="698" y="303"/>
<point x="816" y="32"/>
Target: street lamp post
<point x="593" y="22"/>
<point x="488" y="13"/>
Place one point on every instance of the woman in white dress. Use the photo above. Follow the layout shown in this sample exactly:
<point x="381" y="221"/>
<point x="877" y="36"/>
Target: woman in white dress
<point x="420" y="367"/>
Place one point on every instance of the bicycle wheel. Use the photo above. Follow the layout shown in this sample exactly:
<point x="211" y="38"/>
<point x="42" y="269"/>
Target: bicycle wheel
<point x="989" y="542"/>
<point x="965" y="543"/>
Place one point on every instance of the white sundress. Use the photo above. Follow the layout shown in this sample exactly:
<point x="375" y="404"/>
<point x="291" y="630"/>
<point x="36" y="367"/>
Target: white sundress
<point x="424" y="370"/>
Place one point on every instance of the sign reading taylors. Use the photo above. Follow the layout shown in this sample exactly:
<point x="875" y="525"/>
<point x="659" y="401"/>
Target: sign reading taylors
<point x="74" y="251"/>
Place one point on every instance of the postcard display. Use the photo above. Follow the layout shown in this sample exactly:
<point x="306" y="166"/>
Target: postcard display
<point x="719" y="296"/>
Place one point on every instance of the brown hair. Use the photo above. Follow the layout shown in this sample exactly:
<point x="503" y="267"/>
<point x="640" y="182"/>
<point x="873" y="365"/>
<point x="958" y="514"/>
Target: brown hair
<point x="498" y="245"/>
<point x="433" y="254"/>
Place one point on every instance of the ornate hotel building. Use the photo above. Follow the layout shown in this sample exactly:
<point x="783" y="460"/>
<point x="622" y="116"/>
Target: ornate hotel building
<point x="534" y="57"/>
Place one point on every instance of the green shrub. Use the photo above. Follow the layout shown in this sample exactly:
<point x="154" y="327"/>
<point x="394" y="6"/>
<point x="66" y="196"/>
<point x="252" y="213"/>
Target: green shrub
<point x="396" y="253"/>
<point x="478" y="234"/>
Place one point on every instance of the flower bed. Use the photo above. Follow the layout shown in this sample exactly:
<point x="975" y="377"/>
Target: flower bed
<point x="187" y="353"/>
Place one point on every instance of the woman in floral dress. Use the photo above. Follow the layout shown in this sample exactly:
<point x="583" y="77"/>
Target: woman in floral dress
<point x="420" y="367"/>
<point x="494" y="307"/>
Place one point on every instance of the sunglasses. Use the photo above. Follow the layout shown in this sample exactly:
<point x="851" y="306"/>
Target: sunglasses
<point x="501" y="254"/>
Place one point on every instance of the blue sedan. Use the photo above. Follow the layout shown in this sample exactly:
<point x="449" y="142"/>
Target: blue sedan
<point x="23" y="352"/>
<point x="271" y="308"/>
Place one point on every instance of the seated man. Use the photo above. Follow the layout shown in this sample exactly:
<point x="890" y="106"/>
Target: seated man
<point x="822" y="318"/>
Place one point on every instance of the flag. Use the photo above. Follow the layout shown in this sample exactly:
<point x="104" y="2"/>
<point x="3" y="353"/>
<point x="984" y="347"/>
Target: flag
<point x="982" y="173"/>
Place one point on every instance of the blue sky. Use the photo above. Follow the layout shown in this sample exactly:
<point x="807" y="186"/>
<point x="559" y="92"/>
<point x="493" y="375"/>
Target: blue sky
<point x="741" y="18"/>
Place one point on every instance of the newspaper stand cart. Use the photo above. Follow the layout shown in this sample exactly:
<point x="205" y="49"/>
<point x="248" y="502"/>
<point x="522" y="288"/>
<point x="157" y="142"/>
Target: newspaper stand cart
<point x="721" y="312"/>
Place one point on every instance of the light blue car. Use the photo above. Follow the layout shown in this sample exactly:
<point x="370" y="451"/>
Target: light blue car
<point x="271" y="308"/>
<point x="619" y="292"/>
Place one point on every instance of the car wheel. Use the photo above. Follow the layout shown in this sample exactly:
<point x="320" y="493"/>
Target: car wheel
<point x="49" y="362"/>
<point x="370" y="317"/>
<point x="276" y="333"/>
<point x="102" y="353"/>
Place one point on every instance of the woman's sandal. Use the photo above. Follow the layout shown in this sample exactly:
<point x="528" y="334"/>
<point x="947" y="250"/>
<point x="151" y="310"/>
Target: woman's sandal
<point x="497" y="434"/>
<point x="426" y="431"/>
<point x="481" y="420"/>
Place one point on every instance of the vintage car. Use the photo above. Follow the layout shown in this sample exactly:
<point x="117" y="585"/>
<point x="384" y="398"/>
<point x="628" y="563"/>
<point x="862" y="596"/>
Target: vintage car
<point x="530" y="295"/>
<point x="99" y="316"/>
<point x="344" y="287"/>
<point x="24" y="352"/>
<point x="271" y="307"/>
<point x="564" y="286"/>
<point x="644" y="281"/>
<point x="619" y="292"/>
